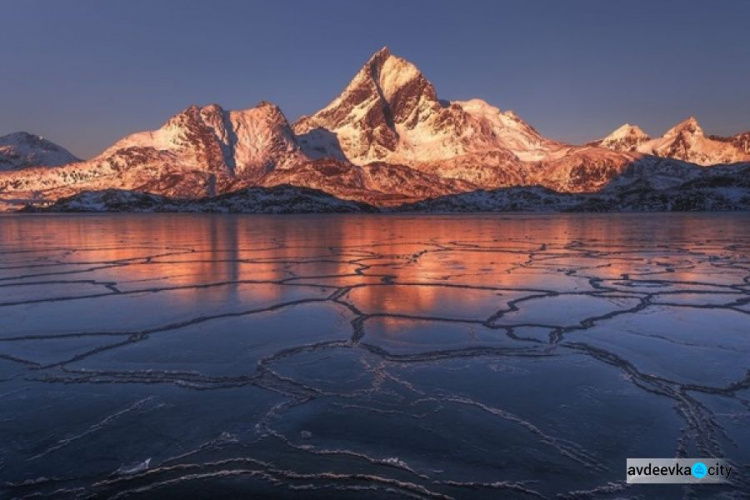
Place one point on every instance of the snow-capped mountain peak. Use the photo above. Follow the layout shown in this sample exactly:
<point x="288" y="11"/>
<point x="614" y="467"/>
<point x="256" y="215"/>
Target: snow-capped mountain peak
<point x="22" y="149"/>
<point x="388" y="75"/>
<point x="249" y="142"/>
<point x="626" y="138"/>
<point x="628" y="131"/>
<point x="364" y="123"/>
<point x="391" y="112"/>
<point x="386" y="139"/>
<point x="394" y="75"/>
<point x="688" y="126"/>
<point x="685" y="141"/>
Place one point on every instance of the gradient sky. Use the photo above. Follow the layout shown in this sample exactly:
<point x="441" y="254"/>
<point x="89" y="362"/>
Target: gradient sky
<point x="85" y="73"/>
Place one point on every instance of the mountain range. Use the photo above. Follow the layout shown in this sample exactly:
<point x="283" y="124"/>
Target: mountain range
<point x="386" y="141"/>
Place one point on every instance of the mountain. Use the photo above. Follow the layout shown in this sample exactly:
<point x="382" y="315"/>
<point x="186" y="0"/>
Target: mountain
<point x="685" y="141"/>
<point x="386" y="140"/>
<point x="722" y="188"/>
<point x="199" y="152"/>
<point x="391" y="113"/>
<point x="627" y="138"/>
<point x="247" y="143"/>
<point x="22" y="150"/>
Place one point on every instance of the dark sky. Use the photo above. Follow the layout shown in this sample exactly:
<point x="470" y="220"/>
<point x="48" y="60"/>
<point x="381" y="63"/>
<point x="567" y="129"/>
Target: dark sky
<point x="84" y="73"/>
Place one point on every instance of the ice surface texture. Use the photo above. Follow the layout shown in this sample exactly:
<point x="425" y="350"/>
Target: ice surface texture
<point x="170" y="356"/>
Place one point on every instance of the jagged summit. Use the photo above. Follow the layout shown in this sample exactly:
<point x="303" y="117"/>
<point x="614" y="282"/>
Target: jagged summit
<point x="22" y="150"/>
<point x="685" y="141"/>
<point x="381" y="78"/>
<point x="364" y="123"/>
<point x="379" y="57"/>
<point x="391" y="112"/>
<point x="387" y="138"/>
<point x="249" y="142"/>
<point x="688" y="126"/>
<point x="393" y="76"/>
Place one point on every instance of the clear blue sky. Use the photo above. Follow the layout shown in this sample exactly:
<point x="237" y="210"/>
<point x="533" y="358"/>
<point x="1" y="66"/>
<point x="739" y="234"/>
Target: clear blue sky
<point x="86" y="72"/>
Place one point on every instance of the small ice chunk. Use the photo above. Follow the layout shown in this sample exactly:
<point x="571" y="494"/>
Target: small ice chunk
<point x="128" y="470"/>
<point x="226" y="438"/>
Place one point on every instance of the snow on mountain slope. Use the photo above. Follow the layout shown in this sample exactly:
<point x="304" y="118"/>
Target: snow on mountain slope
<point x="739" y="141"/>
<point x="378" y="183"/>
<point x="582" y="170"/>
<point x="391" y="112"/>
<point x="685" y="141"/>
<point x="22" y="150"/>
<point x="386" y="139"/>
<point x="489" y="129"/>
<point x="627" y="139"/>
<point x="198" y="152"/>
<point x="263" y="141"/>
<point x="250" y="142"/>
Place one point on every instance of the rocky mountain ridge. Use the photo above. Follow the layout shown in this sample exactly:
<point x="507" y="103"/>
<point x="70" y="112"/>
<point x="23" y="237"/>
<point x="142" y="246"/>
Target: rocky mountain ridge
<point x="386" y="140"/>
<point x="685" y="141"/>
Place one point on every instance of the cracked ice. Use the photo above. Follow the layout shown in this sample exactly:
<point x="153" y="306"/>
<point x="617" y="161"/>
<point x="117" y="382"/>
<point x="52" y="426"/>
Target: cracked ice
<point x="157" y="356"/>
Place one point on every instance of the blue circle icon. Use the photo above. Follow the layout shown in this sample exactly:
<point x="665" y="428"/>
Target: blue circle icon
<point x="699" y="470"/>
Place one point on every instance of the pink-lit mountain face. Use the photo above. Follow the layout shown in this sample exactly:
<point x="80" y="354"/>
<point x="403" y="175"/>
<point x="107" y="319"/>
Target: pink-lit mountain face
<point x="21" y="150"/>
<point x="387" y="139"/>
<point x="685" y="141"/>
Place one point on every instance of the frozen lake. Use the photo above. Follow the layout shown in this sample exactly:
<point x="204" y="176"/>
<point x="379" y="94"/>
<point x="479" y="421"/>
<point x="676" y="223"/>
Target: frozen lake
<point x="500" y="356"/>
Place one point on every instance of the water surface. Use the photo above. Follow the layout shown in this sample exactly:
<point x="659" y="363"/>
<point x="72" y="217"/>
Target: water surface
<point x="170" y="356"/>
